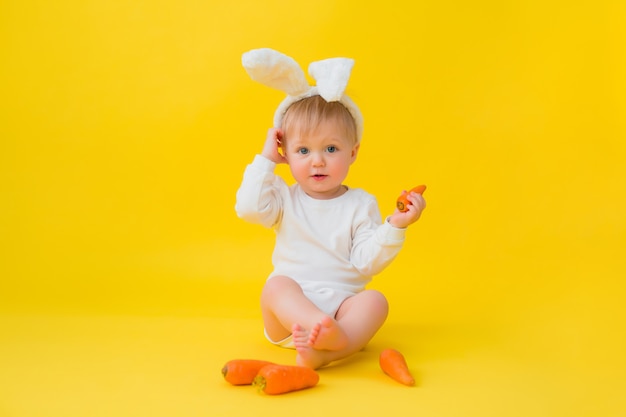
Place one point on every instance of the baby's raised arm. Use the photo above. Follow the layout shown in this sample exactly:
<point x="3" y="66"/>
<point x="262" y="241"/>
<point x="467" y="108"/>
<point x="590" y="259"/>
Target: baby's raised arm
<point x="272" y="142"/>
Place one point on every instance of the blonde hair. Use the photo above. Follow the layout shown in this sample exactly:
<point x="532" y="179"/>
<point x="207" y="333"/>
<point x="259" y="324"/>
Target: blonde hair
<point x="306" y="114"/>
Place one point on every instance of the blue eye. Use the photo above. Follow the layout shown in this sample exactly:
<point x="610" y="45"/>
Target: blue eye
<point x="331" y="149"/>
<point x="303" y="151"/>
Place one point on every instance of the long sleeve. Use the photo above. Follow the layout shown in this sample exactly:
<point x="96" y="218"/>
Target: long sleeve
<point x="375" y="245"/>
<point x="258" y="196"/>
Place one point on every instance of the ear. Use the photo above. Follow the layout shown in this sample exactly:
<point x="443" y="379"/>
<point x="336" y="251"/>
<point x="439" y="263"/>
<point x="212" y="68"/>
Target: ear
<point x="355" y="152"/>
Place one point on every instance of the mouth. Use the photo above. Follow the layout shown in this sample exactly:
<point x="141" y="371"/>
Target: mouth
<point x="318" y="177"/>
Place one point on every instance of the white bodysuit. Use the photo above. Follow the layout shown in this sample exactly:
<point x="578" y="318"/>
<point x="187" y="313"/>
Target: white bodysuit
<point x="332" y="248"/>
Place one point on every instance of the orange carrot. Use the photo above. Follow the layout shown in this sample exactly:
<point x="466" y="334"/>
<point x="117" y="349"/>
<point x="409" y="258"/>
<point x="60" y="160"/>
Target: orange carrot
<point x="280" y="379"/>
<point x="403" y="202"/>
<point x="393" y="364"/>
<point x="242" y="371"/>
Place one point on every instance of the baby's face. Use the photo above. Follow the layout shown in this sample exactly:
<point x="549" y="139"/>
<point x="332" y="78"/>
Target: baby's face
<point x="320" y="159"/>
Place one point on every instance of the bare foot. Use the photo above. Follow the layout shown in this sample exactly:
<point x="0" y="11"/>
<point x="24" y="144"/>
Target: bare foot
<point x="299" y="336"/>
<point x="327" y="335"/>
<point x="306" y="354"/>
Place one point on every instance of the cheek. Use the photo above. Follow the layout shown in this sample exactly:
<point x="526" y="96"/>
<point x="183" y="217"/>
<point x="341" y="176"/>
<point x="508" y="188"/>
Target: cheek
<point x="296" y="167"/>
<point x="341" y="166"/>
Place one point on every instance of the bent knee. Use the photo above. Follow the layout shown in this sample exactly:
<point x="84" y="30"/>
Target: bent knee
<point x="378" y="301"/>
<point x="372" y="301"/>
<point x="277" y="285"/>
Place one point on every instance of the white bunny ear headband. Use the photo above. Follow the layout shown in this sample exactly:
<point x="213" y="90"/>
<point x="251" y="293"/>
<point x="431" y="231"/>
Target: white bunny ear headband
<point x="279" y="71"/>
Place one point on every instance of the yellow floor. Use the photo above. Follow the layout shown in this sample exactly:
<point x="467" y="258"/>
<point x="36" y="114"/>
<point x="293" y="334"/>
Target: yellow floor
<point x="129" y="366"/>
<point x="559" y="360"/>
<point x="126" y="279"/>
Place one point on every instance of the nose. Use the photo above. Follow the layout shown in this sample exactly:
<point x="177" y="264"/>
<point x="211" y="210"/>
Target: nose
<point x="318" y="159"/>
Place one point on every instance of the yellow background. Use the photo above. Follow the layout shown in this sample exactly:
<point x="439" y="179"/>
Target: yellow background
<point x="126" y="280"/>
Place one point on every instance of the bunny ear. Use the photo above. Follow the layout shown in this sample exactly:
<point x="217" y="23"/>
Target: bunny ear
<point x="276" y="70"/>
<point x="332" y="76"/>
<point x="279" y="71"/>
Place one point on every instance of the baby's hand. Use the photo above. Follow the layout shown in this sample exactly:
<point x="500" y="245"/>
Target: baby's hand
<point x="272" y="143"/>
<point x="403" y="219"/>
<point x="402" y="203"/>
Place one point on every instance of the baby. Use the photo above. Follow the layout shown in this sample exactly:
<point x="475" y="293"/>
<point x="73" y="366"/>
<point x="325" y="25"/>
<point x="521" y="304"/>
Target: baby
<point x="330" y="238"/>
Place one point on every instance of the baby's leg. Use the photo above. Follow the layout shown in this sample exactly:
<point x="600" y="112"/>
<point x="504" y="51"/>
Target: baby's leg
<point x="283" y="304"/>
<point x="359" y="317"/>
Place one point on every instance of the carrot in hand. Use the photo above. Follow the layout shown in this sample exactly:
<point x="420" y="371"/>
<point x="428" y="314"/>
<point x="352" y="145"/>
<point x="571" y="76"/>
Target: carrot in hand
<point x="393" y="364"/>
<point x="403" y="202"/>
<point x="242" y="371"/>
<point x="280" y="379"/>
